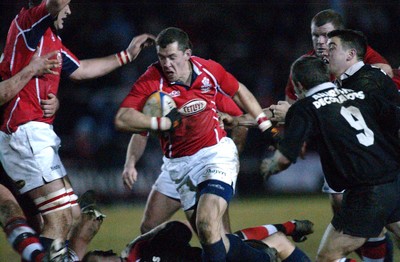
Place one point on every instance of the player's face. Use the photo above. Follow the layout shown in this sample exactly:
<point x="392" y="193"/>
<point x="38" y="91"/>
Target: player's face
<point x="320" y="38"/>
<point x="174" y="62"/>
<point x="59" y="22"/>
<point x="338" y="57"/>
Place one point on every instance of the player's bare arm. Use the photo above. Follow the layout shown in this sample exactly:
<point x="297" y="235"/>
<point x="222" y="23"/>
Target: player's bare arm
<point x="134" y="152"/>
<point x="246" y="99"/>
<point x="131" y="120"/>
<point x="55" y="6"/>
<point x="37" y="66"/>
<point x="245" y="120"/>
<point x="138" y="43"/>
<point x="97" y="67"/>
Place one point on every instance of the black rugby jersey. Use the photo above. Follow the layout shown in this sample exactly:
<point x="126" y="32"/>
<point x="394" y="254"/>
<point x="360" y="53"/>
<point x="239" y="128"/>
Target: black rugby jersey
<point x="350" y="136"/>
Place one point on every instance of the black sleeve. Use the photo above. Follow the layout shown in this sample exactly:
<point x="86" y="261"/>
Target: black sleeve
<point x="387" y="112"/>
<point x="298" y="125"/>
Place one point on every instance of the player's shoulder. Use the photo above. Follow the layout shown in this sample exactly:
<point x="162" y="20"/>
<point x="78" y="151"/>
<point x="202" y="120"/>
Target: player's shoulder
<point x="205" y="63"/>
<point x="371" y="72"/>
<point x="31" y="15"/>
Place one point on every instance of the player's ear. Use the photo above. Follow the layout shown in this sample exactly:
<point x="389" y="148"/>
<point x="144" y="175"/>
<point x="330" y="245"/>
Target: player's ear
<point x="188" y="53"/>
<point x="351" y="53"/>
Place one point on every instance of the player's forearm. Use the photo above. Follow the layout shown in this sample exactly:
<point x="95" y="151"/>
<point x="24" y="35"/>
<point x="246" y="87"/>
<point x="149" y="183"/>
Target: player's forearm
<point x="55" y="6"/>
<point x="131" y="120"/>
<point x="95" y="67"/>
<point x="10" y="87"/>
<point x="248" y="101"/>
<point x="135" y="150"/>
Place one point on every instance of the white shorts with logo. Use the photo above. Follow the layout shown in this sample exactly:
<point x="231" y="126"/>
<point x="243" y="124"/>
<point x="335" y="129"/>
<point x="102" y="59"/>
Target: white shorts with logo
<point x="219" y="162"/>
<point x="166" y="186"/>
<point x="30" y="155"/>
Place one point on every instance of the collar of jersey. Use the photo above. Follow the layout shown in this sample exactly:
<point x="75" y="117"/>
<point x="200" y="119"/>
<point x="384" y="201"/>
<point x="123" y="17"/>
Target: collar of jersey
<point x="196" y="72"/>
<point x="351" y="70"/>
<point x="320" y="87"/>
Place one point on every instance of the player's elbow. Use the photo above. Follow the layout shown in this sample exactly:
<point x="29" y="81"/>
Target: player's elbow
<point x="120" y="124"/>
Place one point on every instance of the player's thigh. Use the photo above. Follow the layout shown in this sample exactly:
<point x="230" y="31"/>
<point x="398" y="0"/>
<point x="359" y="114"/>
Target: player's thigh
<point x="51" y="200"/>
<point x="335" y="245"/>
<point x="8" y="206"/>
<point x="159" y="208"/>
<point x="227" y="221"/>
<point x="281" y="243"/>
<point x="394" y="228"/>
<point x="210" y="210"/>
<point x="336" y="201"/>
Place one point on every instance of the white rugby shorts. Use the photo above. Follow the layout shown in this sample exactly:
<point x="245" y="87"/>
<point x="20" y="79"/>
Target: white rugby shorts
<point x="219" y="162"/>
<point x="30" y="155"/>
<point x="165" y="185"/>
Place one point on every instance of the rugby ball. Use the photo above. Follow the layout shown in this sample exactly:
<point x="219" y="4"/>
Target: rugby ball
<point x="158" y="104"/>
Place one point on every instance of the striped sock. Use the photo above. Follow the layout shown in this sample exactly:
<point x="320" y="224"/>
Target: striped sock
<point x="23" y="239"/>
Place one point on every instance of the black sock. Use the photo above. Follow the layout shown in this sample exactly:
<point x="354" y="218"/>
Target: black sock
<point x="215" y="252"/>
<point x="240" y="251"/>
<point x="297" y="256"/>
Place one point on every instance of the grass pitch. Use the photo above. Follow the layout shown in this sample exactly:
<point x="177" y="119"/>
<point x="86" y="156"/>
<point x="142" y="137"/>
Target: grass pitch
<point x="122" y="222"/>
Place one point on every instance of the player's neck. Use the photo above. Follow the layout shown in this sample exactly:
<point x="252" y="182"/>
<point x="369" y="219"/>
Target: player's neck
<point x="188" y="79"/>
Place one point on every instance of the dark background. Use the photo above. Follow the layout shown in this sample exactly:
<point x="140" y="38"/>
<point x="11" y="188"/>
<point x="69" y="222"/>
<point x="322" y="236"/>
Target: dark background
<point x="255" y="40"/>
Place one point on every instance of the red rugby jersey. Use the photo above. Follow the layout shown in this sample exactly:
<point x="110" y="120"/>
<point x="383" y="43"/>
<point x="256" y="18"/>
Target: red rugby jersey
<point x="197" y="104"/>
<point x="31" y="30"/>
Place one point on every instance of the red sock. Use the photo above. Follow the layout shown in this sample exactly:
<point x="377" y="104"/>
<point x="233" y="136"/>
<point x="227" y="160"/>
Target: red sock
<point x="258" y="233"/>
<point x="23" y="239"/>
<point x="374" y="250"/>
<point x="289" y="227"/>
<point x="261" y="232"/>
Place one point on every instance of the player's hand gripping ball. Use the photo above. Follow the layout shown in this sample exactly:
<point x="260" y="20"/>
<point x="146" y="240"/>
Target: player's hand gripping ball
<point x="161" y="106"/>
<point x="158" y="104"/>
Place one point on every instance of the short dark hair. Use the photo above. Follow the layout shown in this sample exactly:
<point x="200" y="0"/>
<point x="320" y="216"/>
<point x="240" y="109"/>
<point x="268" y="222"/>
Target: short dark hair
<point x="310" y="71"/>
<point x="352" y="39"/>
<point x="33" y="3"/>
<point x="171" y="35"/>
<point x="328" y="16"/>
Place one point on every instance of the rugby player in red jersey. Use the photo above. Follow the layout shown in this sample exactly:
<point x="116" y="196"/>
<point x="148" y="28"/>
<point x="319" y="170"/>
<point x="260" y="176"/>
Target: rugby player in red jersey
<point x="29" y="152"/>
<point x="202" y="162"/>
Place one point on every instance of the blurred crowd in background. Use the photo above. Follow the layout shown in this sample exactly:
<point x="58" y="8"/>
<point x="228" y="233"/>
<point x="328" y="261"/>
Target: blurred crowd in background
<point x="255" y="40"/>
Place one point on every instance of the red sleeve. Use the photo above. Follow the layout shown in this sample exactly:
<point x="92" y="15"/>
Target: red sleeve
<point x="289" y="90"/>
<point x="70" y="61"/>
<point x="227" y="82"/>
<point x="26" y="18"/>
<point x="373" y="57"/>
<point x="227" y="105"/>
